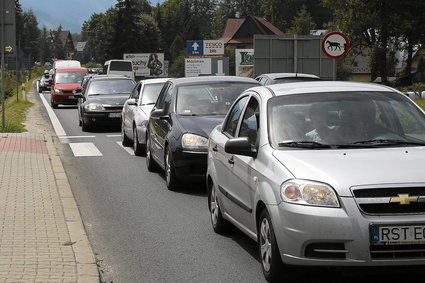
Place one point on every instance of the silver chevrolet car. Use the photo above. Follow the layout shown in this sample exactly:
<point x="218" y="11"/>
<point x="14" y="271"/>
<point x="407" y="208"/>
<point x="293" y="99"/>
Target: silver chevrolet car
<point x="322" y="173"/>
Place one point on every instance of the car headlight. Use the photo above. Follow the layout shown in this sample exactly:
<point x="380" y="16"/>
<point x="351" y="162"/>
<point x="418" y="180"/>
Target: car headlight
<point x="191" y="141"/>
<point x="57" y="90"/>
<point x="309" y="193"/>
<point x="94" y="107"/>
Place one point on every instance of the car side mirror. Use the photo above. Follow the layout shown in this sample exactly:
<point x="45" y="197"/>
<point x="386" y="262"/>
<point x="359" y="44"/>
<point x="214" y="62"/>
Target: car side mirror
<point x="159" y="113"/>
<point x="240" y="146"/>
<point x="79" y="95"/>
<point x="132" y="101"/>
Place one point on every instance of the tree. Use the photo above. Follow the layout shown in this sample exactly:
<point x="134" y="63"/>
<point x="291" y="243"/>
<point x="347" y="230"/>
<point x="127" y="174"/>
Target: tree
<point x="302" y="23"/>
<point x="28" y="33"/>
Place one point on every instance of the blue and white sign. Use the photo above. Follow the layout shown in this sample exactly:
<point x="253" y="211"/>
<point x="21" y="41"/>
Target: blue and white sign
<point x="205" y="48"/>
<point x="195" y="47"/>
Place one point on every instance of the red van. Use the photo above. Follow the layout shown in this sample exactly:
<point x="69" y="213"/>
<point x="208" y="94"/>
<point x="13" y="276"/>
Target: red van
<point x="66" y="80"/>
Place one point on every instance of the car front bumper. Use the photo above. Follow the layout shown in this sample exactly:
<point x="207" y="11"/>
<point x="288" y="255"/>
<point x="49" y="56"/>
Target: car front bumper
<point x="66" y="99"/>
<point x="95" y="117"/>
<point x="190" y="164"/>
<point x="308" y="235"/>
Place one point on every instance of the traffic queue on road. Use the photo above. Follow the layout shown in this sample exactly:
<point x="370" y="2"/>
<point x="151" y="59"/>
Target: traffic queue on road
<point x="318" y="173"/>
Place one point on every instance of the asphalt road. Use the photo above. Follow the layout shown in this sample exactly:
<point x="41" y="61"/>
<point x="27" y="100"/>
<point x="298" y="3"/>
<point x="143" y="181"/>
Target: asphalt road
<point x="141" y="232"/>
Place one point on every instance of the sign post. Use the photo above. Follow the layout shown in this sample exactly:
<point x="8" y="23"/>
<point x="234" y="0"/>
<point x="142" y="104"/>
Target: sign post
<point x="335" y="45"/>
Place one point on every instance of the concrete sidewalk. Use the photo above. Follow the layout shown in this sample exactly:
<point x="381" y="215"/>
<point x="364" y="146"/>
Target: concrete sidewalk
<point x="42" y="237"/>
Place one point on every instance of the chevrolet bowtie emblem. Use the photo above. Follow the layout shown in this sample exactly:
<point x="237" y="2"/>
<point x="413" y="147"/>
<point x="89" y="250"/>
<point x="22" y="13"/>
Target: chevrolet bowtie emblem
<point x="404" y="199"/>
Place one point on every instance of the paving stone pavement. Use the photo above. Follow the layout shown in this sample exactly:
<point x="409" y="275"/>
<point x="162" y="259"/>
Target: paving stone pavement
<point x="42" y="237"/>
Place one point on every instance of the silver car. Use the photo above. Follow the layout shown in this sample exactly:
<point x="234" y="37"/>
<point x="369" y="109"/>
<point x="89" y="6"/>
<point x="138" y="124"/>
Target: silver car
<point x="322" y="173"/>
<point x="135" y="113"/>
<point x="279" y="78"/>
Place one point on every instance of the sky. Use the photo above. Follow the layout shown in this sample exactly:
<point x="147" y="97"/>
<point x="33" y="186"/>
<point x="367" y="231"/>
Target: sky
<point x="71" y="14"/>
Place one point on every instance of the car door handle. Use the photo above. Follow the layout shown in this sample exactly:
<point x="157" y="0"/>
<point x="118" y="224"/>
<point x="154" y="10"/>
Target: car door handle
<point x="231" y="160"/>
<point x="214" y="148"/>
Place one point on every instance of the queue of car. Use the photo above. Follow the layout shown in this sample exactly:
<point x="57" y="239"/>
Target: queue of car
<point x="302" y="168"/>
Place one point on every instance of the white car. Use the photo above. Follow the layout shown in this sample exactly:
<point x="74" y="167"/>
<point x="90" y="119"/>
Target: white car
<point x="322" y="173"/>
<point x="279" y="78"/>
<point x="135" y="113"/>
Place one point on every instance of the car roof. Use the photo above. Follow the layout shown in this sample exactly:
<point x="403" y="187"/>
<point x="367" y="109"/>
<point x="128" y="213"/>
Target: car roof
<point x="63" y="70"/>
<point x="321" y="86"/>
<point x="154" y="81"/>
<point x="109" y="77"/>
<point x="211" y="79"/>
<point x="289" y="75"/>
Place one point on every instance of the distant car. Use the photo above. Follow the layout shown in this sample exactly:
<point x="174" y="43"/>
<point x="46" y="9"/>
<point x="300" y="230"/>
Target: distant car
<point x="345" y="189"/>
<point x="44" y="82"/>
<point x="186" y="111"/>
<point x="65" y="82"/>
<point x="101" y="101"/>
<point x="135" y="113"/>
<point x="279" y="78"/>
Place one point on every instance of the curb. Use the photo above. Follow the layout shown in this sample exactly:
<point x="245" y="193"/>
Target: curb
<point x="87" y="270"/>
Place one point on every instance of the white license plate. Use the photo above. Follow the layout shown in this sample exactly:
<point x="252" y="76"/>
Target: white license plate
<point x="114" y="115"/>
<point x="400" y="234"/>
<point x="71" y="97"/>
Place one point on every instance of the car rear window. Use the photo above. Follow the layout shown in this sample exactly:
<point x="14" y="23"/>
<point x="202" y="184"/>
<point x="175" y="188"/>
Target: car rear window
<point x="120" y="66"/>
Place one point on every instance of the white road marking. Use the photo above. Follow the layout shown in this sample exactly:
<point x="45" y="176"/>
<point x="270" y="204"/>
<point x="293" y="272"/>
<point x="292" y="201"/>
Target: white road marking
<point x="55" y="121"/>
<point x="128" y="149"/>
<point x="76" y="137"/>
<point x="85" y="149"/>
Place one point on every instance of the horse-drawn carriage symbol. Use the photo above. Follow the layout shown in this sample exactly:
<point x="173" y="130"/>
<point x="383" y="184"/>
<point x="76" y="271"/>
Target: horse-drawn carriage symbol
<point x="333" y="46"/>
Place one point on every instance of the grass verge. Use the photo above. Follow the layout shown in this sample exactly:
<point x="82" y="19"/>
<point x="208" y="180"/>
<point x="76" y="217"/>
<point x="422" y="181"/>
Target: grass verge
<point x="15" y="114"/>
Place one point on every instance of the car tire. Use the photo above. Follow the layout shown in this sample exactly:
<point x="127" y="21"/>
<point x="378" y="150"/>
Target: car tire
<point x="170" y="171"/>
<point x="219" y="224"/>
<point x="150" y="163"/>
<point x="85" y="126"/>
<point x="271" y="262"/>
<point x="124" y="139"/>
<point x="54" y="105"/>
<point x="137" y="147"/>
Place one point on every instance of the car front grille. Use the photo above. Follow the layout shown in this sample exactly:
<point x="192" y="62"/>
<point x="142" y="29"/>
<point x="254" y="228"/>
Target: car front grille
<point x="113" y="108"/>
<point x="382" y="201"/>
<point x="397" y="251"/>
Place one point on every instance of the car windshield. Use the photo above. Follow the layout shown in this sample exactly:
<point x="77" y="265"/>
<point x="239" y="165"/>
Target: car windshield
<point x="69" y="77"/>
<point x="151" y="93"/>
<point x="345" y="120"/>
<point x="110" y="87"/>
<point x="209" y="99"/>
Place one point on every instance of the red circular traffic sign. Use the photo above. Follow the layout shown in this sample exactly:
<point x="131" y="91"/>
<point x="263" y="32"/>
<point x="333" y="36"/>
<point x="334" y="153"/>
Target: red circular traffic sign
<point x="335" y="44"/>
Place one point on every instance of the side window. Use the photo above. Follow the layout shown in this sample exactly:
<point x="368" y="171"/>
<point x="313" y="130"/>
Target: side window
<point x="250" y="122"/>
<point x="136" y="91"/>
<point x="160" y="102"/>
<point x="233" y="118"/>
<point x="167" y="99"/>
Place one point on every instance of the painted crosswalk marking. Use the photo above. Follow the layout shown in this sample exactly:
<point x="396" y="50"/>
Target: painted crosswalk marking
<point x="85" y="149"/>
<point x="128" y="149"/>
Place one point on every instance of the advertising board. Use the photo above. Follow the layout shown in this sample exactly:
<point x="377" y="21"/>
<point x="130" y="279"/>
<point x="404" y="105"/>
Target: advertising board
<point x="147" y="64"/>
<point x="244" y="59"/>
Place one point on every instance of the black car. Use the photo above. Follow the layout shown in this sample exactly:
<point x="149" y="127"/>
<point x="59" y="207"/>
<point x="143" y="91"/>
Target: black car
<point x="185" y="113"/>
<point x="101" y="100"/>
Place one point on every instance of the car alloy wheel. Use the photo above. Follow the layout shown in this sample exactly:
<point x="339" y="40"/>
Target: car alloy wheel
<point x="170" y="172"/>
<point x="124" y="139"/>
<point x="271" y="261"/>
<point x="137" y="147"/>
<point x="219" y="224"/>
<point x="150" y="163"/>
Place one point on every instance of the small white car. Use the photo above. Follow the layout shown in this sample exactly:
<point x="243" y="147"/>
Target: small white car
<point x="135" y="113"/>
<point x="322" y="173"/>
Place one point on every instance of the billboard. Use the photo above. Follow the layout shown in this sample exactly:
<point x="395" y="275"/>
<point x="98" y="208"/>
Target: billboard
<point x="147" y="64"/>
<point x="244" y="61"/>
<point x="203" y="66"/>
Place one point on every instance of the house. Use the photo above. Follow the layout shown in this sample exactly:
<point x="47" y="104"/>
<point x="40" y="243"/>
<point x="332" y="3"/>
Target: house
<point x="239" y="33"/>
<point x="66" y="43"/>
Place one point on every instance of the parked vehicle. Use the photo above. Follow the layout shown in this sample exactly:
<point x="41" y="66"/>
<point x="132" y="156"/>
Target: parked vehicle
<point x="278" y="78"/>
<point x="119" y="67"/>
<point x="353" y="197"/>
<point x="101" y="101"/>
<point x="186" y="111"/>
<point x="135" y="113"/>
<point x="65" y="82"/>
<point x="44" y="83"/>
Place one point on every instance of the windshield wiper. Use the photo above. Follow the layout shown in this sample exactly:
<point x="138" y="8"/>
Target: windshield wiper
<point x="303" y="144"/>
<point x="388" y="142"/>
<point x="94" y="94"/>
<point x="150" y="103"/>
